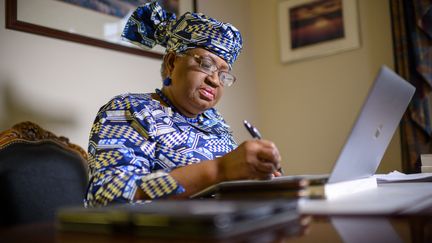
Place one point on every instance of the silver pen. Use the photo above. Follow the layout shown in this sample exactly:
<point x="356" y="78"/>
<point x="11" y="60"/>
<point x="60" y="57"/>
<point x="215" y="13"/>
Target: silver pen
<point x="252" y="130"/>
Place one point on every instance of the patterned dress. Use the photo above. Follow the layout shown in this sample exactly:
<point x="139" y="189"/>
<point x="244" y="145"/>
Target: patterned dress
<point x="135" y="142"/>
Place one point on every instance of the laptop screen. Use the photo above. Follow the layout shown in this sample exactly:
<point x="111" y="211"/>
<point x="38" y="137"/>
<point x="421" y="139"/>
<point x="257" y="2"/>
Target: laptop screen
<point x="377" y="121"/>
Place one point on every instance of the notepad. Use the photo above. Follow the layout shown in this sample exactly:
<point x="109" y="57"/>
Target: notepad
<point x="278" y="187"/>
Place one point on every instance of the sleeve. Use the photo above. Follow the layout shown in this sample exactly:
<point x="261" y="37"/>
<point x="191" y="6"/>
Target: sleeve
<point x="121" y="155"/>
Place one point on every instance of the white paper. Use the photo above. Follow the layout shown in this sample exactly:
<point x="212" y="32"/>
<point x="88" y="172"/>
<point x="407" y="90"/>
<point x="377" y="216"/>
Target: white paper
<point x="345" y="188"/>
<point x="397" y="176"/>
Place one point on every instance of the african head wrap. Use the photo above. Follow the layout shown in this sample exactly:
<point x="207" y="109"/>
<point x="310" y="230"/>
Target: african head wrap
<point x="150" y="24"/>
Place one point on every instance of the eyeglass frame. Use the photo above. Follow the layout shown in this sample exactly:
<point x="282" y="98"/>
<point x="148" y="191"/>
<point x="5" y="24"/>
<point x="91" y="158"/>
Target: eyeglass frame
<point x="199" y="60"/>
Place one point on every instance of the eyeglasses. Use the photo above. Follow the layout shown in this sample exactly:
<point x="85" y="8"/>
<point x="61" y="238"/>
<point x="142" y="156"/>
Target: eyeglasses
<point x="208" y="66"/>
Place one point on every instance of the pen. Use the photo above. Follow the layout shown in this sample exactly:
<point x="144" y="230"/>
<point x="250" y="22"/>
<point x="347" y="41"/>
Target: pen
<point x="252" y="130"/>
<point x="256" y="134"/>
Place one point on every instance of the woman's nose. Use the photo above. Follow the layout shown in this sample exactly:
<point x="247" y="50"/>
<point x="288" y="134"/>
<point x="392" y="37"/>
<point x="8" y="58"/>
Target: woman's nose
<point x="213" y="79"/>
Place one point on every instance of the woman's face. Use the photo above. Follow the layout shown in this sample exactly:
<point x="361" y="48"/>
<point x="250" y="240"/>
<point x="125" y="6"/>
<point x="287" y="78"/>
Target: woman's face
<point x="193" y="91"/>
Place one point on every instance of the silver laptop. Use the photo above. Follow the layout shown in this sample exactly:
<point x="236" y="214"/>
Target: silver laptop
<point x="379" y="117"/>
<point x="372" y="132"/>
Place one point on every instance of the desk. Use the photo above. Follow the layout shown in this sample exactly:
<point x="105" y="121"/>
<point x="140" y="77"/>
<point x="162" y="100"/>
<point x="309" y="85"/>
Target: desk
<point x="320" y="229"/>
<point x="410" y="226"/>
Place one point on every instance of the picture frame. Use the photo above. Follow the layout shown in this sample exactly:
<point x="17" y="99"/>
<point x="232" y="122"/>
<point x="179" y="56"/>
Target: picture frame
<point x="315" y="28"/>
<point x="56" y="19"/>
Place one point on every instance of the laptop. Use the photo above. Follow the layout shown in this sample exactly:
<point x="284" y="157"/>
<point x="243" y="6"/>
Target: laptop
<point x="371" y="134"/>
<point x="361" y="155"/>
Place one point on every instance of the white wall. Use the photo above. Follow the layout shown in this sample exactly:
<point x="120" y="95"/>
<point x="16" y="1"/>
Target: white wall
<point x="61" y="85"/>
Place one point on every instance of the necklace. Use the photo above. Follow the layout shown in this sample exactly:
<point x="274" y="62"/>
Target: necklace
<point x="168" y="102"/>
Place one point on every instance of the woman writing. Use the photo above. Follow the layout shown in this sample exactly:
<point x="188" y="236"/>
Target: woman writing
<point x="173" y="143"/>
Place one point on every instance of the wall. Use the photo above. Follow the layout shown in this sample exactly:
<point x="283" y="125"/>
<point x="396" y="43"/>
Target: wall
<point x="61" y="84"/>
<point x="308" y="108"/>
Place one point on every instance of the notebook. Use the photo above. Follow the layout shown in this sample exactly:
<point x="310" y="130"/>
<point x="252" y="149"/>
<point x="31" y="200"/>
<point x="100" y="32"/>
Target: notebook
<point x="361" y="155"/>
<point x="179" y="218"/>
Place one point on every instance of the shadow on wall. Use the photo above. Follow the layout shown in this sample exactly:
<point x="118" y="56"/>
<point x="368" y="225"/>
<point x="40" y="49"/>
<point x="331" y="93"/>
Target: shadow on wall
<point x="14" y="109"/>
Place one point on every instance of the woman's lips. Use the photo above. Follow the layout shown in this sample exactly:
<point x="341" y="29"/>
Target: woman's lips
<point x="207" y="93"/>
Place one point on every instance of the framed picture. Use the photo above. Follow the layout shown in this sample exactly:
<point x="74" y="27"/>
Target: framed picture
<point x="311" y="28"/>
<point x="92" y="22"/>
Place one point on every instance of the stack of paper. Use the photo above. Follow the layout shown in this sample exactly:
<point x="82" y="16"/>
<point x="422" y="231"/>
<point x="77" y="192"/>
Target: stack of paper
<point x="397" y="176"/>
<point x="426" y="161"/>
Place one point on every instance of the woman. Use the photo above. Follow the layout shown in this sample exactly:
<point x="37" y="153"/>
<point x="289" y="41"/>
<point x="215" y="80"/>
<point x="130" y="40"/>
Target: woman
<point x="173" y="143"/>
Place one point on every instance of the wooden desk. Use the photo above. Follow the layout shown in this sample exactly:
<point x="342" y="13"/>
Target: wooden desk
<point x="413" y="228"/>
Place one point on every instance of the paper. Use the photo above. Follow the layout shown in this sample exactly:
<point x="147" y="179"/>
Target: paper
<point x="345" y="188"/>
<point x="397" y="176"/>
<point x="386" y="199"/>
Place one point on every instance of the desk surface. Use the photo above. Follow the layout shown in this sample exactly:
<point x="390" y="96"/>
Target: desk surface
<point x="413" y="225"/>
<point x="319" y="229"/>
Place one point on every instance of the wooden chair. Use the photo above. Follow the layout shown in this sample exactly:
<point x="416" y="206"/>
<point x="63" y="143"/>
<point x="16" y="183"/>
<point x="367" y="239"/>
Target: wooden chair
<point x="39" y="172"/>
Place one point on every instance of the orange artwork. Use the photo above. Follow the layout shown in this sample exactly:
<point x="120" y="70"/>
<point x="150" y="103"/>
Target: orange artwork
<point x="316" y="22"/>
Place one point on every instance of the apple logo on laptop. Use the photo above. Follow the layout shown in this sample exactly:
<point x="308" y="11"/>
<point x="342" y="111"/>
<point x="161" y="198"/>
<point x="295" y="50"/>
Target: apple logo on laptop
<point x="378" y="131"/>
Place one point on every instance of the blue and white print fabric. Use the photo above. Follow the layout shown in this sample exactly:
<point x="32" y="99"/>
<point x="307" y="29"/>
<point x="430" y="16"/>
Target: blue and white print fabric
<point x="135" y="142"/>
<point x="151" y="24"/>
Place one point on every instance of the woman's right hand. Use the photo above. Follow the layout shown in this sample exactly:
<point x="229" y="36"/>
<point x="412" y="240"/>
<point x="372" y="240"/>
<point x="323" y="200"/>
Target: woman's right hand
<point x="253" y="159"/>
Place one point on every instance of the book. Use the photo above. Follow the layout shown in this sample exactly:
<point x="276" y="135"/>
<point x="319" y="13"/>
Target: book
<point x="278" y="187"/>
<point x="263" y="195"/>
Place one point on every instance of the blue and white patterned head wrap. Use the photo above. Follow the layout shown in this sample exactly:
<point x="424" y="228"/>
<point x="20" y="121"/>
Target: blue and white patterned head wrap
<point x="150" y="25"/>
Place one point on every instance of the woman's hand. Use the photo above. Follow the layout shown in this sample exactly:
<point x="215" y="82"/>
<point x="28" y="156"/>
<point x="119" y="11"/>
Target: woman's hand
<point x="253" y="159"/>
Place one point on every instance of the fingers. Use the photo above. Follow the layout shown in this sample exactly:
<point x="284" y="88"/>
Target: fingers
<point x="265" y="167"/>
<point x="277" y="174"/>
<point x="253" y="159"/>
<point x="267" y="158"/>
<point x="269" y="153"/>
<point x="270" y="148"/>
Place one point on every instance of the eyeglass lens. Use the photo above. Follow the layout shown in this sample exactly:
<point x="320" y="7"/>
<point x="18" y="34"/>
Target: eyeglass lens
<point x="208" y="66"/>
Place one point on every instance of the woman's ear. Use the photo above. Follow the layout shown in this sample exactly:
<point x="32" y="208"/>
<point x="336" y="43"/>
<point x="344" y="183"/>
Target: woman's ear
<point x="168" y="61"/>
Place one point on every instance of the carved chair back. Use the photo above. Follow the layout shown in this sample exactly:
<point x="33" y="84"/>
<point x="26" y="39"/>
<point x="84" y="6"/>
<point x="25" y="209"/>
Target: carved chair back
<point x="39" y="172"/>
